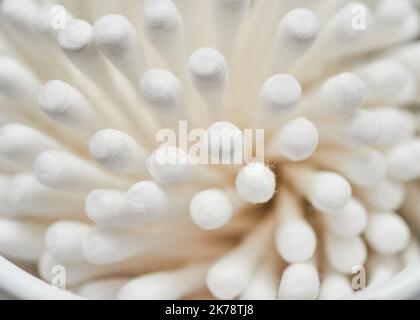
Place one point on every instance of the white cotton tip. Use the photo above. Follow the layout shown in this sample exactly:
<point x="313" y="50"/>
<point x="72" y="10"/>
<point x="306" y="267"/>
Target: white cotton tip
<point x="169" y="165"/>
<point x="388" y="195"/>
<point x="46" y="22"/>
<point x="112" y="31"/>
<point x="148" y="200"/>
<point x="108" y="207"/>
<point x="118" y="152"/>
<point x="23" y="241"/>
<point x="103" y="289"/>
<point x="299" y="28"/>
<point x="387" y="232"/>
<point x="280" y="94"/>
<point x="335" y="287"/>
<point x="386" y="80"/>
<point x="343" y="254"/>
<point x="396" y="125"/>
<point x="64" y="171"/>
<point x="160" y="18"/>
<point x="19" y="13"/>
<point x="208" y="69"/>
<point x="329" y="192"/>
<point x="106" y="245"/>
<point x="403" y="161"/>
<point x="299" y="282"/>
<point x="76" y="36"/>
<point x="225" y="141"/>
<point x="295" y="241"/>
<point x="162" y="90"/>
<point x="22" y="144"/>
<point x="343" y="93"/>
<point x="256" y="183"/>
<point x="297" y="140"/>
<point x="211" y="209"/>
<point x="394" y="12"/>
<point x="350" y="221"/>
<point x="364" y="128"/>
<point x="55" y="98"/>
<point x="64" y="240"/>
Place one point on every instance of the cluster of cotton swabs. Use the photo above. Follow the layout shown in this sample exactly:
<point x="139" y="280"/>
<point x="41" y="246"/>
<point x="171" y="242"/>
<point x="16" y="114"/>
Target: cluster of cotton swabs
<point x="84" y="91"/>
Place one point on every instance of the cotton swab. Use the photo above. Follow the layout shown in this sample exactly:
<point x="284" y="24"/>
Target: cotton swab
<point x="387" y="81"/>
<point x="297" y="140"/>
<point x="264" y="284"/>
<point x="256" y="183"/>
<point x="343" y="254"/>
<point x="361" y="128"/>
<point x="30" y="198"/>
<point x="229" y="276"/>
<point x="225" y="143"/>
<point x="64" y="240"/>
<point x="166" y="285"/>
<point x="295" y="35"/>
<point x="118" y="40"/>
<point x="108" y="207"/>
<point x="387" y="232"/>
<point x="299" y="281"/>
<point x="326" y="191"/>
<point x="21" y="144"/>
<point x="118" y="152"/>
<point x="279" y="95"/>
<point x="335" y="286"/>
<point x="212" y="208"/>
<point x="209" y="73"/>
<point x="402" y="161"/>
<point x="67" y="172"/>
<point x="106" y="289"/>
<point x="343" y="93"/>
<point x="381" y="268"/>
<point x="163" y="25"/>
<point x="397" y="125"/>
<point x="164" y="93"/>
<point x="388" y="195"/>
<point x="67" y="106"/>
<point x="21" y="240"/>
<point x="350" y="221"/>
<point x="295" y="239"/>
<point x="364" y="167"/>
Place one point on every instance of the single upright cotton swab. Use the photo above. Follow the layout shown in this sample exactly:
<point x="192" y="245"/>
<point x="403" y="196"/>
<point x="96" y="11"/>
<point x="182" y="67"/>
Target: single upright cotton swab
<point x="225" y="143"/>
<point x="68" y="107"/>
<point x="118" y="40"/>
<point x="299" y="281"/>
<point x="297" y="140"/>
<point x="64" y="171"/>
<point x="163" y="26"/>
<point x="209" y="74"/>
<point x="256" y="183"/>
<point x="350" y="221"/>
<point x="343" y="254"/>
<point x="326" y="191"/>
<point x="295" y="239"/>
<point x="295" y="34"/>
<point x="387" y="232"/>
<point x="64" y="240"/>
<point x="118" y="152"/>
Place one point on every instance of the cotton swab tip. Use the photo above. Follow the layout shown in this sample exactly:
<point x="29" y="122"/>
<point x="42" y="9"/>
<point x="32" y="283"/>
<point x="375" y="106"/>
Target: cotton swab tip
<point x="299" y="282"/>
<point x="211" y="209"/>
<point x="256" y="183"/>
<point x="55" y="97"/>
<point x="280" y="93"/>
<point x="112" y="29"/>
<point x="76" y="36"/>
